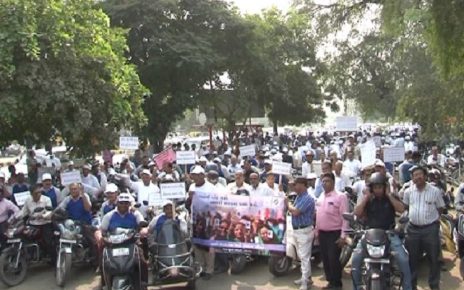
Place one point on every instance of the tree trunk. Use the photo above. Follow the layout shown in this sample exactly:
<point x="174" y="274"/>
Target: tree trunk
<point x="275" y="126"/>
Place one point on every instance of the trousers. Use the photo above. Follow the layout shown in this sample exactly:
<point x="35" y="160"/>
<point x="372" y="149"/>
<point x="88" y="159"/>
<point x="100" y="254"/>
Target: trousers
<point x="304" y="244"/>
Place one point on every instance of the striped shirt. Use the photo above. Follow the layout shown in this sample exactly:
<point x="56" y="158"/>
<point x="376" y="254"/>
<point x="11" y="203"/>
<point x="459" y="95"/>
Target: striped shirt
<point x="306" y="205"/>
<point x="423" y="205"/>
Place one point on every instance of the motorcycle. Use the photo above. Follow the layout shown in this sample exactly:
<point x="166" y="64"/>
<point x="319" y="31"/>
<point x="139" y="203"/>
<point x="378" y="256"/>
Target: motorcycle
<point x="23" y="249"/>
<point x="72" y="247"/>
<point x="379" y="270"/>
<point x="460" y="240"/>
<point x="121" y="264"/>
<point x="171" y="259"/>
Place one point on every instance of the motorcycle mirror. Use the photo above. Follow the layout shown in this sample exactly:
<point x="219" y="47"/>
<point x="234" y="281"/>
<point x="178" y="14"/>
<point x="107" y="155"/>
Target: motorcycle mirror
<point x="349" y="216"/>
<point x="403" y="220"/>
<point x="145" y="203"/>
<point x="137" y="205"/>
<point x="48" y="208"/>
<point x="143" y="224"/>
<point x="38" y="209"/>
<point x="349" y="190"/>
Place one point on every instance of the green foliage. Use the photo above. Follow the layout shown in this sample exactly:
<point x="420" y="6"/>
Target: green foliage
<point x="63" y="72"/>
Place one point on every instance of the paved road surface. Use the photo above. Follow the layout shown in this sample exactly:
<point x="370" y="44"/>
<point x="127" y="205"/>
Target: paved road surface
<point x="256" y="277"/>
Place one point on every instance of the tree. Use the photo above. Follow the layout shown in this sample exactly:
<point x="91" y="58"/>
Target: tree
<point x="63" y="73"/>
<point x="283" y="69"/>
<point x="178" y="46"/>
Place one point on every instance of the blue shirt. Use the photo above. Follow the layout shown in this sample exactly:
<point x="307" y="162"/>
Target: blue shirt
<point x="77" y="212"/>
<point x="51" y="193"/>
<point x="127" y="221"/>
<point x="306" y="205"/>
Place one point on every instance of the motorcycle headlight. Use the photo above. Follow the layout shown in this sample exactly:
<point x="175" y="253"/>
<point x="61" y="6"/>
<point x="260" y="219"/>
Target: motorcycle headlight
<point x="10" y="233"/>
<point x="376" y="251"/>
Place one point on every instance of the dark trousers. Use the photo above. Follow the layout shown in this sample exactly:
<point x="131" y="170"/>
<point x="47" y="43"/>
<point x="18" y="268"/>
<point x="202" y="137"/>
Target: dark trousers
<point x="330" y="254"/>
<point x="48" y="241"/>
<point x="426" y="240"/>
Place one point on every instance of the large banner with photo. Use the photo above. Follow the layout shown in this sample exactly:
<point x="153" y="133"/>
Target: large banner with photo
<point x="234" y="223"/>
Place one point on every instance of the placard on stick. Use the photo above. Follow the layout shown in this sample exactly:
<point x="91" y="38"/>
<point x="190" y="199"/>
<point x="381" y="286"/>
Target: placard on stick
<point x="393" y="154"/>
<point x="129" y="143"/>
<point x="346" y="123"/>
<point x="21" y="197"/>
<point x="249" y="150"/>
<point x="70" y="177"/>
<point x="281" y="168"/>
<point x="172" y="190"/>
<point x="185" y="157"/>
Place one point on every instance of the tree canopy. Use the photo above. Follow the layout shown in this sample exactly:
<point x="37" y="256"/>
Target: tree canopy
<point x="63" y="73"/>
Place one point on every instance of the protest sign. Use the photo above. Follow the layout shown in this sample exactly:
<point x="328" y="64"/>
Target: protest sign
<point x="368" y="153"/>
<point x="70" y="177"/>
<point x="233" y="222"/>
<point x="249" y="150"/>
<point x="281" y="168"/>
<point x="393" y="154"/>
<point x="172" y="190"/>
<point x="185" y="157"/>
<point x="129" y="143"/>
<point x="346" y="123"/>
<point x="21" y="197"/>
<point x="167" y="155"/>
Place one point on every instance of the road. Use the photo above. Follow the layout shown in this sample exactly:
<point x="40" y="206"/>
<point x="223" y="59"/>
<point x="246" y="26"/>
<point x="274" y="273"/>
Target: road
<point x="256" y="277"/>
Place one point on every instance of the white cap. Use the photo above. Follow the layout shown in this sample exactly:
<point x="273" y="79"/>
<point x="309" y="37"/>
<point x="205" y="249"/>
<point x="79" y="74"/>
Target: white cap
<point x="268" y="161"/>
<point x="217" y="159"/>
<point x="2" y="174"/>
<point x="203" y="159"/>
<point x="197" y="170"/>
<point x="71" y="162"/>
<point x="46" y="176"/>
<point x="86" y="166"/>
<point x="379" y="162"/>
<point x="151" y="163"/>
<point x="111" y="187"/>
<point x="124" y="197"/>
<point x="167" y="202"/>
<point x="146" y="171"/>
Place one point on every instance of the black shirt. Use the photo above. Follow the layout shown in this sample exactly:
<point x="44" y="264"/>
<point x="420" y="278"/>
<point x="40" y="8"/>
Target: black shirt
<point x="380" y="214"/>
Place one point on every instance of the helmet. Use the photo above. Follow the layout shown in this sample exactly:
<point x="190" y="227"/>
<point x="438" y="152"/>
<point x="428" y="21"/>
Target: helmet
<point x="377" y="178"/>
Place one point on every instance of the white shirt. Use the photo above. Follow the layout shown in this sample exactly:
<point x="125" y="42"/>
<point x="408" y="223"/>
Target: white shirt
<point x="30" y="205"/>
<point x="150" y="193"/>
<point x="220" y="188"/>
<point x="260" y="190"/>
<point x="441" y="160"/>
<point x="358" y="188"/>
<point x="275" y="189"/>
<point x="341" y="182"/>
<point x="233" y="168"/>
<point x="353" y="165"/>
<point x="306" y="169"/>
<point x="90" y="184"/>
<point x="206" y="187"/>
<point x="233" y="188"/>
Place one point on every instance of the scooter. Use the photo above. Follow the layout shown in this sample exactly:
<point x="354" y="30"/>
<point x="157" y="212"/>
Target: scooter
<point x="23" y="249"/>
<point x="121" y="264"/>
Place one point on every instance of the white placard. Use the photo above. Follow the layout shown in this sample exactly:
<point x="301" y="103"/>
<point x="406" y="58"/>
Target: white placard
<point x="172" y="190"/>
<point x="393" y="154"/>
<point x="70" y="177"/>
<point x="249" y="150"/>
<point x="155" y="199"/>
<point x="368" y="153"/>
<point x="21" y="197"/>
<point x="281" y="168"/>
<point x="129" y="143"/>
<point x="346" y="123"/>
<point x="185" y="157"/>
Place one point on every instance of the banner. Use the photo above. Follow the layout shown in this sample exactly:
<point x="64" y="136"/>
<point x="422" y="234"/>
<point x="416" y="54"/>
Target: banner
<point x="234" y="223"/>
<point x="70" y="177"/>
<point x="368" y="153"/>
<point x="173" y="190"/>
<point x="249" y="150"/>
<point x="167" y="155"/>
<point x="129" y="143"/>
<point x="281" y="168"/>
<point x="185" y="157"/>
<point x="21" y="197"/>
<point x="393" y="154"/>
<point x="346" y="123"/>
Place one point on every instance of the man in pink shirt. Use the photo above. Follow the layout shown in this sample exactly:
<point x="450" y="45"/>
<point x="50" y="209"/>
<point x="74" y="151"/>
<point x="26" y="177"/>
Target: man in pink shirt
<point x="330" y="224"/>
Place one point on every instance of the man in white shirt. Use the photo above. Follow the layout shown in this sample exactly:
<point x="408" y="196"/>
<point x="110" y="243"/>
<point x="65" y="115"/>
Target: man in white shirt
<point x="276" y="189"/>
<point x="234" y="166"/>
<point x="436" y="158"/>
<point x="341" y="179"/>
<point x="213" y="178"/>
<point x="257" y="188"/>
<point x="40" y="220"/>
<point x="351" y="164"/>
<point x="239" y="186"/>
<point x="90" y="182"/>
<point x="147" y="193"/>
<point x="307" y="166"/>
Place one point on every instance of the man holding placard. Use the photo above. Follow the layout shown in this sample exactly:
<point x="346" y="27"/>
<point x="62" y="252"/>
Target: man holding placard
<point x="145" y="190"/>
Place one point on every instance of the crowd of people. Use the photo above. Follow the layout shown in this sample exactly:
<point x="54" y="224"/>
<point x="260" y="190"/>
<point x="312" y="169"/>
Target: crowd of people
<point x="324" y="166"/>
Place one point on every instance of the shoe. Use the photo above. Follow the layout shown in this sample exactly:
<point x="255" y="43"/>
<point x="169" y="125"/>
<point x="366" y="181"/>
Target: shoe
<point x="304" y="286"/>
<point x="207" y="276"/>
<point x="332" y="287"/>
<point x="299" y="281"/>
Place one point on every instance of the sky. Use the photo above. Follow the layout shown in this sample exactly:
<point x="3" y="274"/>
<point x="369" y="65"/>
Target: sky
<point x="255" y="6"/>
